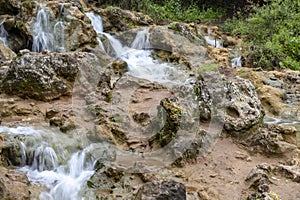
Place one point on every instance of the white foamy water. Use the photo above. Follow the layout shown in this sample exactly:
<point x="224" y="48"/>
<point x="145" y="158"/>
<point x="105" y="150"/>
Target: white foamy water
<point x="138" y="56"/>
<point x="46" y="160"/>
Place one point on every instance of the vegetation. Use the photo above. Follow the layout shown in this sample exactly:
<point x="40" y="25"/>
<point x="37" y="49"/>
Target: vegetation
<point x="176" y="10"/>
<point x="270" y="29"/>
<point x="271" y="33"/>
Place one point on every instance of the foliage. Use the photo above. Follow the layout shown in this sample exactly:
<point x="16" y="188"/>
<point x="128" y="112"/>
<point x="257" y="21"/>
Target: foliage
<point x="176" y="10"/>
<point x="272" y="34"/>
<point x="208" y="67"/>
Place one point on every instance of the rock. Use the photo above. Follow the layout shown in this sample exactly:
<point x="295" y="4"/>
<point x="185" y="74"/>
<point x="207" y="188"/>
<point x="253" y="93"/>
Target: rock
<point x="162" y="189"/>
<point x="273" y="82"/>
<point x="13" y="185"/>
<point x="10" y="7"/>
<point x="16" y="38"/>
<point x="6" y="54"/>
<point x="271" y="98"/>
<point x="291" y="172"/>
<point x="44" y="76"/>
<point x="11" y="151"/>
<point x="116" y="19"/>
<point x="233" y="101"/>
<point x="269" y="140"/>
<point x="259" y="181"/>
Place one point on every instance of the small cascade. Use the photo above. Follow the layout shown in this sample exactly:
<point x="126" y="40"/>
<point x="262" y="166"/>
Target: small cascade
<point x="3" y="33"/>
<point x="98" y="27"/>
<point x="236" y="61"/>
<point x="59" y="32"/>
<point x="138" y="56"/>
<point x="47" y="159"/>
<point x="142" y="40"/>
<point x="42" y="35"/>
<point x="212" y="41"/>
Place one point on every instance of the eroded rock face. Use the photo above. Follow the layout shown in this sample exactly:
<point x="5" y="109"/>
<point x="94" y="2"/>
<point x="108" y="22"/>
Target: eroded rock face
<point x="116" y="19"/>
<point x="6" y="53"/>
<point x="13" y="185"/>
<point x="44" y="76"/>
<point x="232" y="100"/>
<point x="272" y="139"/>
<point x="162" y="189"/>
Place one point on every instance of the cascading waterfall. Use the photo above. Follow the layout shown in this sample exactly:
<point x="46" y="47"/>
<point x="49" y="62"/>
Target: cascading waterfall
<point x="42" y="35"/>
<point x="59" y="31"/>
<point x="3" y="33"/>
<point x="98" y="27"/>
<point x="236" y="61"/>
<point x="43" y="160"/>
<point x="138" y="56"/>
<point x="47" y="36"/>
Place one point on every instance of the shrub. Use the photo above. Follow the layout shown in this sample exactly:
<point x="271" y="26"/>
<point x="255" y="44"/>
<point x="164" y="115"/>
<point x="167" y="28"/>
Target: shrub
<point x="272" y="34"/>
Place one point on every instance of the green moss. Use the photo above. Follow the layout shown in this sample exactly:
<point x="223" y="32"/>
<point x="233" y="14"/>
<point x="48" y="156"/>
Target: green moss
<point x="207" y="68"/>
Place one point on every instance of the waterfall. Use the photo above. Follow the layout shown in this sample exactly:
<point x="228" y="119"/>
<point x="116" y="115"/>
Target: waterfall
<point x="59" y="32"/>
<point x="236" y="61"/>
<point x="138" y="56"/>
<point x="42" y="34"/>
<point x="45" y="35"/>
<point x="96" y="21"/>
<point x="46" y="160"/>
<point x="142" y="40"/>
<point x="3" y="33"/>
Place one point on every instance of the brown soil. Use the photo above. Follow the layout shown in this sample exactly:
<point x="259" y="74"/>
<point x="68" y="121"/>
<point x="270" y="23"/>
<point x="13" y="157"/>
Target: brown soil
<point x="222" y="173"/>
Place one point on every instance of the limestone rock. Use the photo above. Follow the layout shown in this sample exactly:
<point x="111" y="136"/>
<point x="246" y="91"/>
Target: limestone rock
<point x="44" y="76"/>
<point x="13" y="185"/>
<point x="116" y="19"/>
<point x="161" y="190"/>
<point x="6" y="53"/>
<point x="269" y="139"/>
<point x="232" y="100"/>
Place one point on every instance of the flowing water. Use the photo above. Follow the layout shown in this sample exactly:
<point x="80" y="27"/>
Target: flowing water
<point x="43" y="37"/>
<point x="54" y="160"/>
<point x="47" y="36"/>
<point x="3" y="33"/>
<point x="138" y="56"/>
<point x="59" y="30"/>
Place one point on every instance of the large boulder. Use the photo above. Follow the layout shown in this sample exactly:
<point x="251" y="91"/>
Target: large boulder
<point x="231" y="100"/>
<point x="13" y="185"/>
<point x="162" y="190"/>
<point x="44" y="76"/>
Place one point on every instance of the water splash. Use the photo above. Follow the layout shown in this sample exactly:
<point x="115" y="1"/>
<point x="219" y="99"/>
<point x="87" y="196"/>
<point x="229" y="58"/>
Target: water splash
<point x="213" y="41"/>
